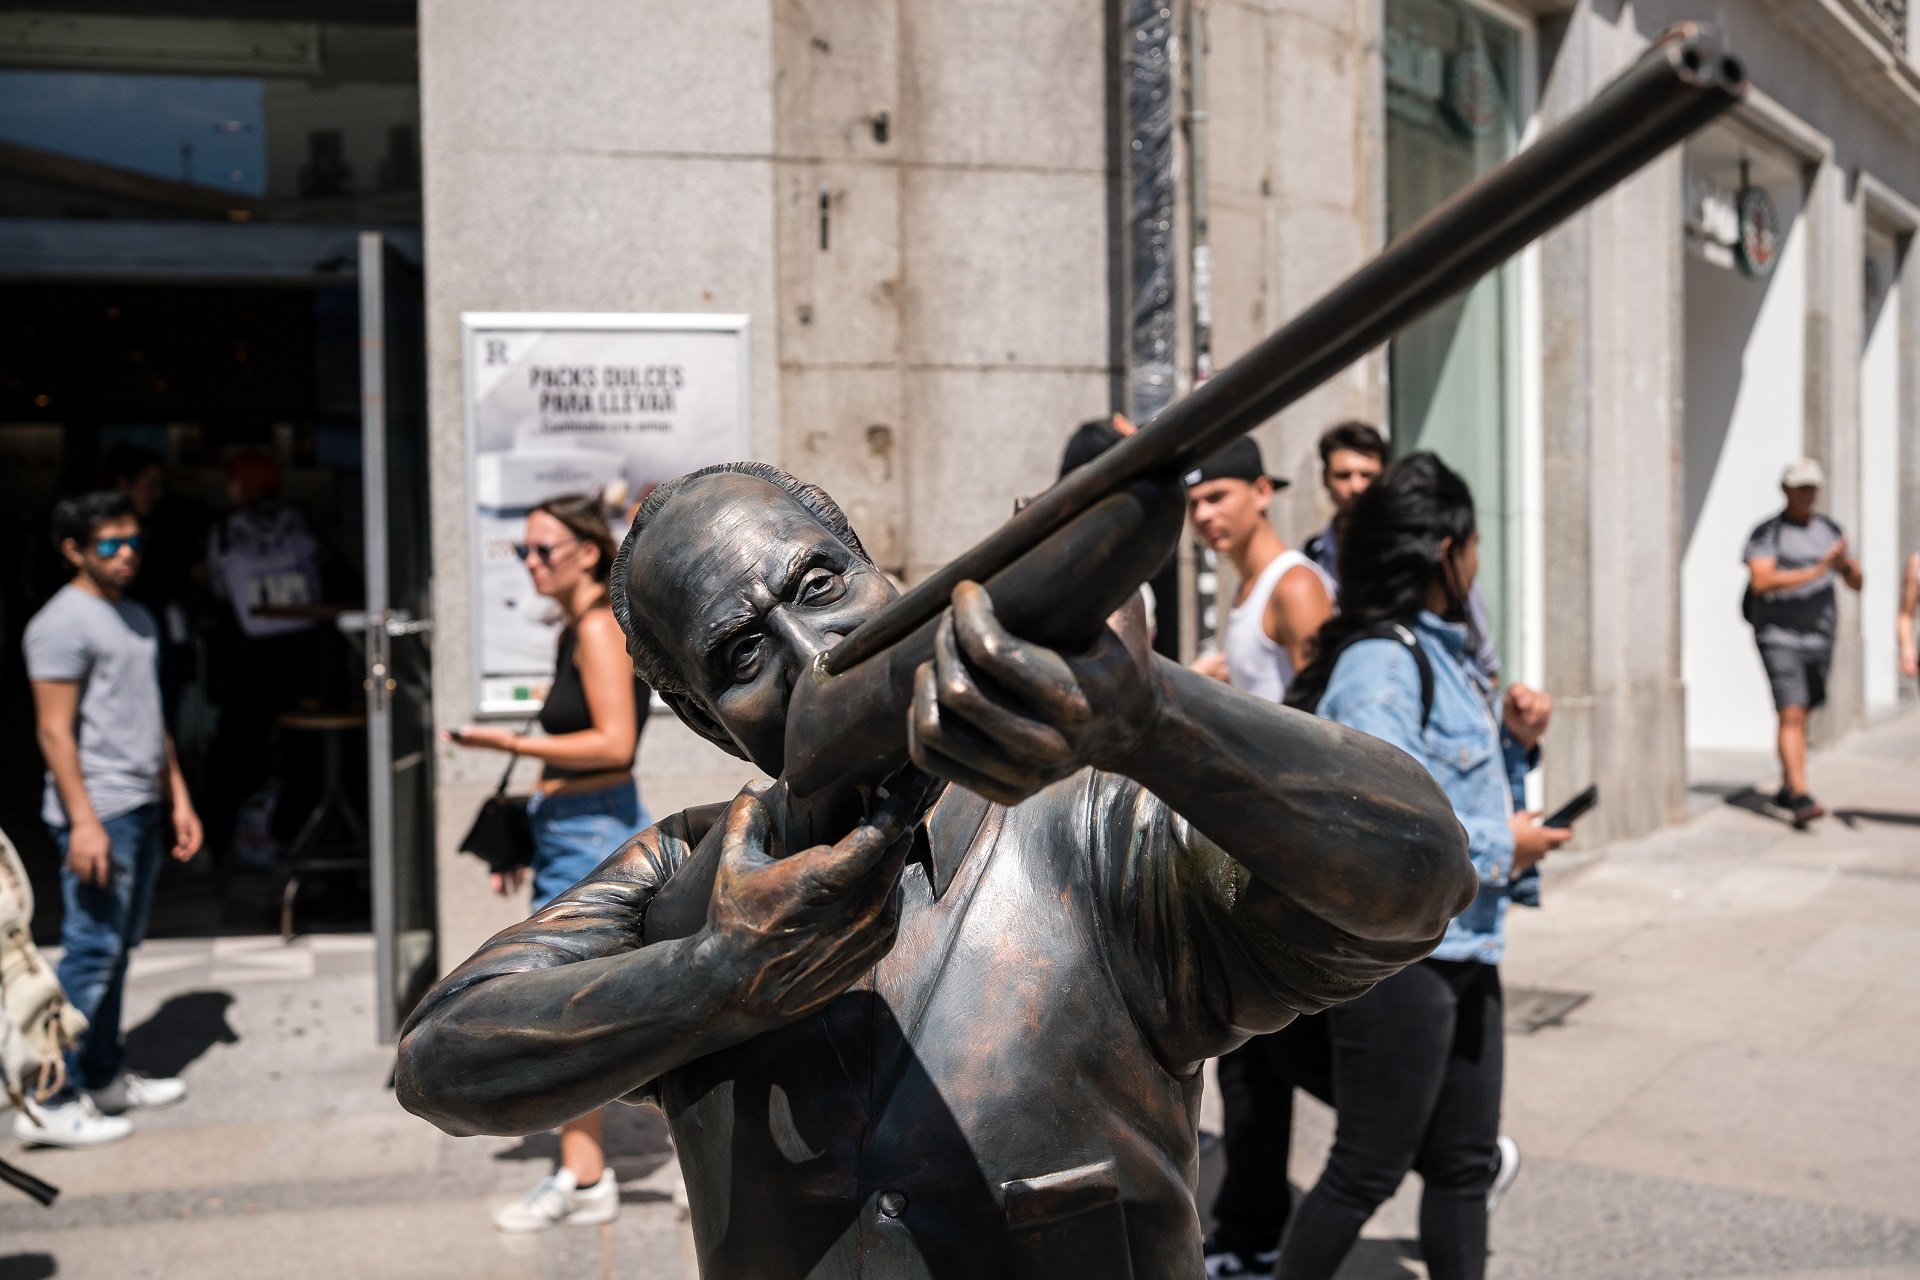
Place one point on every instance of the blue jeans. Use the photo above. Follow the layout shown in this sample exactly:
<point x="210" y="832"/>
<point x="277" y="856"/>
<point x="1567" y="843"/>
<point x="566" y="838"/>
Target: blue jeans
<point x="573" y="834"/>
<point x="99" y="928"/>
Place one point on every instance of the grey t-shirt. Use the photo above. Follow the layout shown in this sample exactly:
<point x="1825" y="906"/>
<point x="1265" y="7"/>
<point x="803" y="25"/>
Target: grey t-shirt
<point x="1799" y="617"/>
<point x="111" y="650"/>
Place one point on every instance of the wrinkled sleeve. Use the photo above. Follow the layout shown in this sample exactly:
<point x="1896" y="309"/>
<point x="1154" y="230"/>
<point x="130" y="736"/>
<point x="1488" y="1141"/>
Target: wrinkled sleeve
<point x="1763" y="543"/>
<point x="55" y="652"/>
<point x="600" y="916"/>
<point x="1205" y="954"/>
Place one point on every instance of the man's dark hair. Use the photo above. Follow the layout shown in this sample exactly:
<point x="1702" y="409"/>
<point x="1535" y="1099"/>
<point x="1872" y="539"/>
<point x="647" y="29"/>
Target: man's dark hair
<point x="1353" y="435"/>
<point x="1089" y="440"/>
<point x="77" y="518"/>
<point x="649" y="658"/>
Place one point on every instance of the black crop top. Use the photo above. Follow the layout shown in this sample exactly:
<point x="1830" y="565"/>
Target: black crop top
<point x="566" y="710"/>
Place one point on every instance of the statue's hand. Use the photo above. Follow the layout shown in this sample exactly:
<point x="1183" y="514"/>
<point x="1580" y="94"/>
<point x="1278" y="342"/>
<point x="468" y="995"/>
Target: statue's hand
<point x="1004" y="717"/>
<point x="787" y="934"/>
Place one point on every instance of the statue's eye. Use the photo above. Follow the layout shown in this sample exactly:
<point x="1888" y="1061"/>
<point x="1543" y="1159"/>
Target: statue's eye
<point x="744" y="655"/>
<point x="820" y="587"/>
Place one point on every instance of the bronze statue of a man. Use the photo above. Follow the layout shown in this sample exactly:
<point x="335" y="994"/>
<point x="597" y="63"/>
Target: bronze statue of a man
<point x="958" y="1041"/>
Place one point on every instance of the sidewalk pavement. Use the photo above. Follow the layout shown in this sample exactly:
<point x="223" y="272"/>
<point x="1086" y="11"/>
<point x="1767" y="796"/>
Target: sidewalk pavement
<point x="1713" y="1068"/>
<point x="1713" y="1046"/>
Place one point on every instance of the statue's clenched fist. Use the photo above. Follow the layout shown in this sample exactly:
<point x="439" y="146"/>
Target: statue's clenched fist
<point x="795" y="930"/>
<point x="1004" y="717"/>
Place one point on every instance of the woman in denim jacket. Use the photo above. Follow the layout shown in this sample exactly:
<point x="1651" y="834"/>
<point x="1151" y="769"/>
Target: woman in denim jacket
<point x="1417" y="1060"/>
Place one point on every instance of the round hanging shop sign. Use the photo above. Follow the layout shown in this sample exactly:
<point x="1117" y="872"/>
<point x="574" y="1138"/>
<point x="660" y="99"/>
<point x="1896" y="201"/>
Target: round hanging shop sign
<point x="1474" y="104"/>
<point x="1759" y="245"/>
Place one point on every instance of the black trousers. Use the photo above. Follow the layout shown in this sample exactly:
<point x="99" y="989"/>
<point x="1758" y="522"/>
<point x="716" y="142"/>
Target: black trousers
<point x="1417" y="1067"/>
<point x="1257" y="1081"/>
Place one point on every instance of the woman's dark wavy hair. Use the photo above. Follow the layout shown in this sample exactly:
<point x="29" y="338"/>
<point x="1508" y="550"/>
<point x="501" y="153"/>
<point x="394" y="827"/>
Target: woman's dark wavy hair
<point x="1389" y="558"/>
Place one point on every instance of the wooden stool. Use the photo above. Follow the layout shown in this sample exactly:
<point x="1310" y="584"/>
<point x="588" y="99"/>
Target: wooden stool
<point x="307" y="854"/>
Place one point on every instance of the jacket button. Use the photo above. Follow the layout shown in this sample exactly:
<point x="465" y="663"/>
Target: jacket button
<point x="893" y="1203"/>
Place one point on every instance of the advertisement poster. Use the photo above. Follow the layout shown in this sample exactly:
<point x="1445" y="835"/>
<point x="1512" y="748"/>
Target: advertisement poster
<point x="561" y="404"/>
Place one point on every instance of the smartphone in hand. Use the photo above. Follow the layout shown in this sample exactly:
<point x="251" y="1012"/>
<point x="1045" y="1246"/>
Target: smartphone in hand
<point x="1564" y="816"/>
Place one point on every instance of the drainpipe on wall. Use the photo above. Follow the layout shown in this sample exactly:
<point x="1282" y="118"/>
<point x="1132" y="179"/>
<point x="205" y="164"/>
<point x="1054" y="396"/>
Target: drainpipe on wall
<point x="1202" y="249"/>
<point x="1146" y="53"/>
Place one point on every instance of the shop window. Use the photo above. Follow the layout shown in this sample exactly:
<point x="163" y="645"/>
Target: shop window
<point x="1454" y="111"/>
<point x="316" y="129"/>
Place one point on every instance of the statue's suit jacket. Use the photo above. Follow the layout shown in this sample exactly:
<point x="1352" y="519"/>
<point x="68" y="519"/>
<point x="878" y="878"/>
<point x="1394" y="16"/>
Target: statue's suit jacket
<point x="1013" y="1090"/>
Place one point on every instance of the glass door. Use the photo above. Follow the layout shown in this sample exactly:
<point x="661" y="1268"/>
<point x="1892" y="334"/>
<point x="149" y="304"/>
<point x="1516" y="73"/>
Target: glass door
<point x="1454" y="110"/>
<point x="398" y="630"/>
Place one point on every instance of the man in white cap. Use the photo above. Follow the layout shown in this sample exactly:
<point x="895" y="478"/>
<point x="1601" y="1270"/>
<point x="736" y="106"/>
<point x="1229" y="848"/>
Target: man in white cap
<point x="1792" y="559"/>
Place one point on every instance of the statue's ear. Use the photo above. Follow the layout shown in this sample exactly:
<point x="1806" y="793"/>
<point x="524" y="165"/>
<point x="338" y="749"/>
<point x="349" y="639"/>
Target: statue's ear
<point x="694" y="714"/>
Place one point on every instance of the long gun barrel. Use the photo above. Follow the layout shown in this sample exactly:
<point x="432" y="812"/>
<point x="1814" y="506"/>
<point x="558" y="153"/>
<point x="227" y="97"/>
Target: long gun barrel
<point x="1058" y="567"/>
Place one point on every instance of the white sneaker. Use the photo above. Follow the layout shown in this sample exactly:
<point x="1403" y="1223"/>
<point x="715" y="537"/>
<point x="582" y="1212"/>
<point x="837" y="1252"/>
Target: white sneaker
<point x="558" y="1200"/>
<point x="69" y="1124"/>
<point x="1508" y="1170"/>
<point x="131" y="1091"/>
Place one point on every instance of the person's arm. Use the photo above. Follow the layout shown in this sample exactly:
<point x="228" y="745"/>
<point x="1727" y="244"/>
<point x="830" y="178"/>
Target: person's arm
<point x="56" y="704"/>
<point x="1213" y="665"/>
<point x="1903" y="625"/>
<point x="1331" y="822"/>
<point x="571" y="1008"/>
<point x="1295" y="612"/>
<point x="187" y="834"/>
<point x="606" y="677"/>
<point x="1849" y="569"/>
<point x="1767" y="575"/>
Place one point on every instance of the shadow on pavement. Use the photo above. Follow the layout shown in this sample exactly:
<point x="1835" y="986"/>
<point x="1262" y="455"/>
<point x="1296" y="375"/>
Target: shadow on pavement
<point x="27" y="1266"/>
<point x="1745" y="797"/>
<point x="1853" y="817"/>
<point x="179" y="1031"/>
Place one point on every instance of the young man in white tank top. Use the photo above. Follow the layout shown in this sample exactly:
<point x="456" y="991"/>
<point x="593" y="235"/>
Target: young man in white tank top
<point x="1284" y="597"/>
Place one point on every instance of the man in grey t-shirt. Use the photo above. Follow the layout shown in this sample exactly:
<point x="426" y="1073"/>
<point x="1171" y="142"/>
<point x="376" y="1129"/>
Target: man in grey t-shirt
<point x="112" y="784"/>
<point x="1792" y="559"/>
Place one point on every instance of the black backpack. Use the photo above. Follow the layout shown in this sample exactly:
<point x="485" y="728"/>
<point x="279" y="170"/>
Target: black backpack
<point x="1388" y="631"/>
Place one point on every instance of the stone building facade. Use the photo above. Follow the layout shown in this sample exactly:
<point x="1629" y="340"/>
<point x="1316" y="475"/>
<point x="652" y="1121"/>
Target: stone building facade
<point x="1622" y="396"/>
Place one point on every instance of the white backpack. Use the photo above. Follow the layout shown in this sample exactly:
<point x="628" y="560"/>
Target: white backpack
<point x="37" y="1025"/>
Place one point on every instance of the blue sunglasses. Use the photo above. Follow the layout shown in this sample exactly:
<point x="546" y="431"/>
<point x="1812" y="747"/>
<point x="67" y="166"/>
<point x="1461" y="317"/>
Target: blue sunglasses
<point x="108" y="548"/>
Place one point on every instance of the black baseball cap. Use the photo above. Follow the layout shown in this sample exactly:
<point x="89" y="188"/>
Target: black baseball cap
<point x="1088" y="441"/>
<point x="1237" y="461"/>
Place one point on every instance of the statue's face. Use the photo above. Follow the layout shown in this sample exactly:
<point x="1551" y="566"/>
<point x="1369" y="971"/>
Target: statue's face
<point x="743" y="588"/>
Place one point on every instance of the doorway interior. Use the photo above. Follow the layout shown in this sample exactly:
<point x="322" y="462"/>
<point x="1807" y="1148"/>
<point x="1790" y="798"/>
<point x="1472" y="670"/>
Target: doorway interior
<point x="209" y="248"/>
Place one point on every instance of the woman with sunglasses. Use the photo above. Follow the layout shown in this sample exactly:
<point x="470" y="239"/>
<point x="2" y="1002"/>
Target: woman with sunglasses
<point x="1418" y="1060"/>
<point x="586" y="803"/>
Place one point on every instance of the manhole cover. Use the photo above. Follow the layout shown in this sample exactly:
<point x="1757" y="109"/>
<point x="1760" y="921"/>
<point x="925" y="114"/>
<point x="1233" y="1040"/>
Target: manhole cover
<point x="1531" y="1008"/>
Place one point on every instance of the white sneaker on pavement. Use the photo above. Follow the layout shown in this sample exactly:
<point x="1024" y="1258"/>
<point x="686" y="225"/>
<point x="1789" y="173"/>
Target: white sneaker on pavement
<point x="131" y="1091"/>
<point x="558" y="1200"/>
<point x="1508" y="1170"/>
<point x="69" y="1124"/>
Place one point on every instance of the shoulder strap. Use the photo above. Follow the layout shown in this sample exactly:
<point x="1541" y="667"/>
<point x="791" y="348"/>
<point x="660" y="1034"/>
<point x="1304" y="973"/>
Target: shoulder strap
<point x="1421" y="660"/>
<point x="513" y="758"/>
<point x="1400" y="633"/>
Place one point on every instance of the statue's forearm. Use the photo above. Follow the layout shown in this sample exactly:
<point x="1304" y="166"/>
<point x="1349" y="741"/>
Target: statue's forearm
<point x="525" y="1051"/>
<point x="1339" y="823"/>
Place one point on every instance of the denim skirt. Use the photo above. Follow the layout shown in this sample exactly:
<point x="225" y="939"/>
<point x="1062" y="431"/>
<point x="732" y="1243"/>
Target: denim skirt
<point x="573" y="834"/>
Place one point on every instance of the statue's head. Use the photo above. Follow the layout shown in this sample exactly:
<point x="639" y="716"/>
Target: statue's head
<point x="730" y="582"/>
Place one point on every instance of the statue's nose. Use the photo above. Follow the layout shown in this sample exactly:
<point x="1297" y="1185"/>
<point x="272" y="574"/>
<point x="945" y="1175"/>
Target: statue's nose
<point x="803" y="639"/>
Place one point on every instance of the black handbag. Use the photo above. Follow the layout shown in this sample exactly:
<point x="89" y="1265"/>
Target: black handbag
<point x="502" y="832"/>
